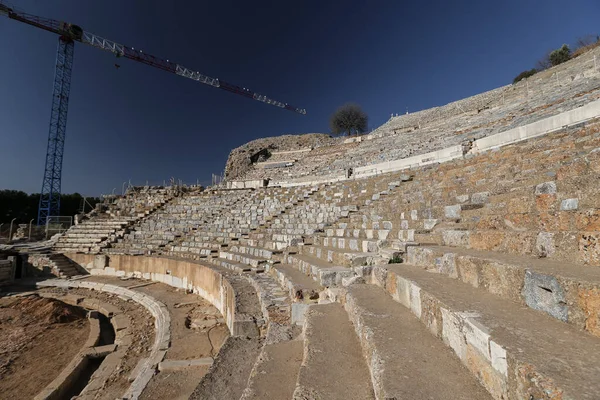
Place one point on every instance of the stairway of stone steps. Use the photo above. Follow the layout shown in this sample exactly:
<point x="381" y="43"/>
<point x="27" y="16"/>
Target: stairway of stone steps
<point x="183" y="244"/>
<point x="92" y="234"/>
<point x="65" y="267"/>
<point x="565" y="291"/>
<point x="101" y="230"/>
<point x="59" y="264"/>
<point x="333" y="366"/>
<point x="238" y="222"/>
<point x="515" y="351"/>
<point x="450" y="223"/>
<point x="165" y="230"/>
<point x="404" y="359"/>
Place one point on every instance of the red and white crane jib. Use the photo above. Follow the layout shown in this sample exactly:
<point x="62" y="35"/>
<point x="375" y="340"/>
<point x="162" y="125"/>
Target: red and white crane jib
<point x="75" y="33"/>
<point x="139" y="56"/>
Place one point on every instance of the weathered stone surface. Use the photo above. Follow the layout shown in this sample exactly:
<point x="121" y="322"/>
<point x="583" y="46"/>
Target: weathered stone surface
<point x="452" y="212"/>
<point x="544" y="293"/>
<point x="546" y="188"/>
<point x="545" y="244"/>
<point x="349" y="281"/>
<point x="569" y="204"/>
<point x="455" y="238"/>
<point x="480" y="198"/>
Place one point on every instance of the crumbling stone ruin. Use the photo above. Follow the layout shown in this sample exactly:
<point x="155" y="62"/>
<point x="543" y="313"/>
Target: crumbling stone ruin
<point x="458" y="260"/>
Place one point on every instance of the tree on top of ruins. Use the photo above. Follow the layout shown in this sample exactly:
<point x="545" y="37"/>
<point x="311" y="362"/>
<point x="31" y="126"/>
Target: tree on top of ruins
<point x="561" y="55"/>
<point x="349" y="119"/>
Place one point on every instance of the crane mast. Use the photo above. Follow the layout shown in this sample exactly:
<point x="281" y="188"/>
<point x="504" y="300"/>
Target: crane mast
<point x="68" y="34"/>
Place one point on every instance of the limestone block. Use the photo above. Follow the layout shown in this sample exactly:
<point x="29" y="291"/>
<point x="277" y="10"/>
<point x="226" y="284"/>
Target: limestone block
<point x="100" y="261"/>
<point x="333" y="276"/>
<point x="544" y="244"/>
<point x="415" y="299"/>
<point x="452" y="212"/>
<point x="379" y="275"/>
<point x="569" y="204"/>
<point x="414" y="215"/>
<point x="452" y="333"/>
<point x="546" y="188"/>
<point x="403" y="288"/>
<point x="349" y="281"/>
<point x="498" y="354"/>
<point x="428" y="223"/>
<point x="299" y="313"/>
<point x="477" y="336"/>
<point x="455" y="238"/>
<point x="480" y="198"/>
<point x="463" y="198"/>
<point x="544" y="293"/>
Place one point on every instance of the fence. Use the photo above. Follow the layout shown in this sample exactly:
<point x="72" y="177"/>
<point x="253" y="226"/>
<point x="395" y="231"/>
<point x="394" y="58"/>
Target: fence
<point x="15" y="231"/>
<point x="57" y="224"/>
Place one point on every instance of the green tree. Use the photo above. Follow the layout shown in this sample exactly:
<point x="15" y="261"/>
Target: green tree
<point x="24" y="207"/>
<point x="561" y="55"/>
<point x="524" y="74"/>
<point x="348" y="119"/>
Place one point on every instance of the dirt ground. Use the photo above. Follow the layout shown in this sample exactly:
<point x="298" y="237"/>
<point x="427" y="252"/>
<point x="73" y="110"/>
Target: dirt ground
<point x="142" y="329"/>
<point x="197" y="331"/>
<point x="38" y="338"/>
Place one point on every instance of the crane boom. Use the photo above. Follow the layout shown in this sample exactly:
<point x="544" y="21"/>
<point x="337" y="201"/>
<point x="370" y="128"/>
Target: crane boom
<point x="75" y="33"/>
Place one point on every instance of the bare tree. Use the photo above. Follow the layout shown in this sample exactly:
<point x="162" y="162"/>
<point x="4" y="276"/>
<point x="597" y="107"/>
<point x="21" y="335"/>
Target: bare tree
<point x="349" y="119"/>
<point x="585" y="43"/>
<point x="544" y="62"/>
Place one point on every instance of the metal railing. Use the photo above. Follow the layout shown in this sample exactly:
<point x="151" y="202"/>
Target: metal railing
<point x="57" y="224"/>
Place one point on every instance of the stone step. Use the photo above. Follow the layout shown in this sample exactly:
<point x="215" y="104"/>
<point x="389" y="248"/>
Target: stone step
<point x="333" y="366"/>
<point x="275" y="374"/>
<point x="399" y="351"/>
<point x="324" y="273"/>
<point x="568" y="292"/>
<point x="429" y="238"/>
<point x="254" y="251"/>
<point x="242" y="258"/>
<point x="232" y="265"/>
<point x="359" y="233"/>
<point x="68" y="245"/>
<point x="201" y="252"/>
<point x="346" y="243"/>
<point x="301" y="287"/>
<point x="84" y="234"/>
<point x="341" y="257"/>
<point x="514" y="351"/>
<point x="87" y="239"/>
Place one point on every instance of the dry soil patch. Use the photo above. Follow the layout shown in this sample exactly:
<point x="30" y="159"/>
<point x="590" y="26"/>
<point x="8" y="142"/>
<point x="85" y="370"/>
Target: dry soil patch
<point x="38" y="338"/>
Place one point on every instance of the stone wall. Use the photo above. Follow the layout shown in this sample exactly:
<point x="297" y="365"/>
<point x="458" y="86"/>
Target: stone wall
<point x="238" y="162"/>
<point x="7" y="271"/>
<point x="207" y="282"/>
<point x="549" y="93"/>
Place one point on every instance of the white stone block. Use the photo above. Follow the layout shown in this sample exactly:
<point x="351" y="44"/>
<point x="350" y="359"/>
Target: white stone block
<point x="414" y="215"/>
<point x="478" y="336"/>
<point x="415" y="299"/>
<point x="498" y="354"/>
<point x="569" y="204"/>
<point x="452" y="333"/>
<point x="402" y="295"/>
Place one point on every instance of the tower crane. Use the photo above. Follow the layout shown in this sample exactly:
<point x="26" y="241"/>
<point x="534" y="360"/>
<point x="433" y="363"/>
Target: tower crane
<point x="49" y="204"/>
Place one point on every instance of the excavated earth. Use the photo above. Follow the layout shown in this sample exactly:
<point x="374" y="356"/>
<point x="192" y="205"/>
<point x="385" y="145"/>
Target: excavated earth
<point x="38" y="338"/>
<point x="40" y="335"/>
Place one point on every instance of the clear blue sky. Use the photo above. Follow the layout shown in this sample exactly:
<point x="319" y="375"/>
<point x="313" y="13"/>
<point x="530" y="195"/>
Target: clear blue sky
<point x="141" y="123"/>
